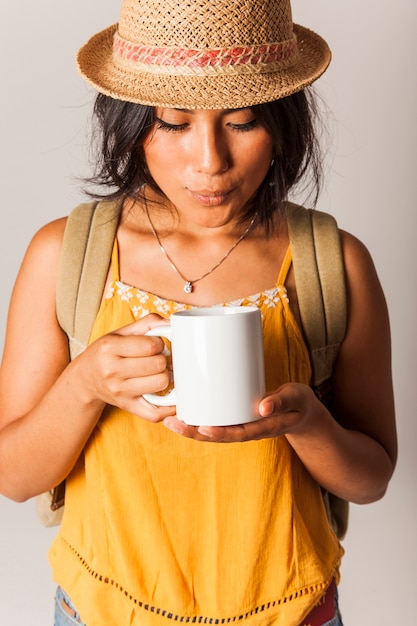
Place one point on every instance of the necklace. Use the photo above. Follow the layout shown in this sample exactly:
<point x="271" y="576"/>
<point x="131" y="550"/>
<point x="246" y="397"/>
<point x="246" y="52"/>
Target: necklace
<point x="189" y="284"/>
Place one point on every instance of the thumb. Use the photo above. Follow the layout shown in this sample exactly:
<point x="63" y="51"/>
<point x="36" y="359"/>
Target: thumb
<point x="271" y="405"/>
<point x="286" y="399"/>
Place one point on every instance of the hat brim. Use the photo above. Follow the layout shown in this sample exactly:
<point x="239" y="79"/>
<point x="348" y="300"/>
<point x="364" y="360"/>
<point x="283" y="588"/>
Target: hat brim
<point x="224" y="91"/>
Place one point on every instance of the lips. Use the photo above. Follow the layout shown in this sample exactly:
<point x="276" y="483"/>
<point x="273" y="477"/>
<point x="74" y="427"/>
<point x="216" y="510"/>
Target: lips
<point x="209" y="197"/>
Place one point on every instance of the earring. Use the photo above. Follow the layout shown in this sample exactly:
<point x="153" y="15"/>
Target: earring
<point x="271" y="183"/>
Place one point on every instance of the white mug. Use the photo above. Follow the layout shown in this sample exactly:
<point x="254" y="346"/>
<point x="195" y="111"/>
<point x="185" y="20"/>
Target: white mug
<point x="218" y="365"/>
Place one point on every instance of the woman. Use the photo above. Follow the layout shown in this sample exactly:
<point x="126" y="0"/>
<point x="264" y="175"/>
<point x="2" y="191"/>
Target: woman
<point x="206" y="125"/>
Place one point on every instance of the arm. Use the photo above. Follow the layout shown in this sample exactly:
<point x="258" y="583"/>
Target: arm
<point x="48" y="406"/>
<point x="352" y="452"/>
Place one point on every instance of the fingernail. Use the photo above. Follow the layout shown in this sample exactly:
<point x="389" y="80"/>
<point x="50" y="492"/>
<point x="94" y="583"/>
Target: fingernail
<point x="172" y="425"/>
<point x="266" y="408"/>
<point x="205" y="431"/>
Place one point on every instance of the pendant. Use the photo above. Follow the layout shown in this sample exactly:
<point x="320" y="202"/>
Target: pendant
<point x="188" y="287"/>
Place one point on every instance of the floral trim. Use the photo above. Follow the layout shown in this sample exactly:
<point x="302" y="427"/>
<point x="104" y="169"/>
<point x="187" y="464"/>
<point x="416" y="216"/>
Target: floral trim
<point x="141" y="302"/>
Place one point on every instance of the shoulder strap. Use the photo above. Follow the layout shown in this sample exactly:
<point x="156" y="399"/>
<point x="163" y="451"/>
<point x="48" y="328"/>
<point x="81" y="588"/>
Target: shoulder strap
<point x="82" y="272"/>
<point x="320" y="281"/>
<point x="321" y="291"/>
<point x="83" y="268"/>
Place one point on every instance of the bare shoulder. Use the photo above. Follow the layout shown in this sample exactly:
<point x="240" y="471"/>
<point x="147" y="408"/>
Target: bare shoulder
<point x="362" y="279"/>
<point x="40" y="262"/>
<point x="47" y="241"/>
<point x="355" y="252"/>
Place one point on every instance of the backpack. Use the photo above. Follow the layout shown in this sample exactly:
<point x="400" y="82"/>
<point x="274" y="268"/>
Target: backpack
<point x="319" y="273"/>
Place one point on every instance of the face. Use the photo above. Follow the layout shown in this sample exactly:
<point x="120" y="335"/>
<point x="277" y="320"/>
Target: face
<point x="209" y="164"/>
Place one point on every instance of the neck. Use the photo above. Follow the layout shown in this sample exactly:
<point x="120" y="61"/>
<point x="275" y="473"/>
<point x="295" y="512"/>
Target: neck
<point x="189" y="283"/>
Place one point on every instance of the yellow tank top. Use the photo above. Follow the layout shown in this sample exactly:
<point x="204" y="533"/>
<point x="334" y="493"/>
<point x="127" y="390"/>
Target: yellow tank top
<point x="160" y="528"/>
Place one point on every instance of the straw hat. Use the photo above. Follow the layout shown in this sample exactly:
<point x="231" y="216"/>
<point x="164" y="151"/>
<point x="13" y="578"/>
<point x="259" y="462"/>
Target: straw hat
<point x="209" y="54"/>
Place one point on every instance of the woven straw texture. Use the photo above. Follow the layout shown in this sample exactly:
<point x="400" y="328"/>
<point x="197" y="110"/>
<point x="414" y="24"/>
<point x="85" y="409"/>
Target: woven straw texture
<point x="203" y="53"/>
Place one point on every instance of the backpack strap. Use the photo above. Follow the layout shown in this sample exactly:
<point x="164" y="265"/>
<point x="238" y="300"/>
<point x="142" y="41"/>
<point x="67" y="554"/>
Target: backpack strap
<point x="83" y="268"/>
<point x="320" y="281"/>
<point x="82" y="272"/>
<point x="321" y="291"/>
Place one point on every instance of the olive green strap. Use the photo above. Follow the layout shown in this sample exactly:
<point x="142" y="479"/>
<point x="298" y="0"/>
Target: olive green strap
<point x="82" y="272"/>
<point x="320" y="282"/>
<point x="321" y="291"/>
<point x="83" y="268"/>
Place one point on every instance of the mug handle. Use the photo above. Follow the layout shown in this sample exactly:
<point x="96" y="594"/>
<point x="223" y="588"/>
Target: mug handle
<point x="169" y="399"/>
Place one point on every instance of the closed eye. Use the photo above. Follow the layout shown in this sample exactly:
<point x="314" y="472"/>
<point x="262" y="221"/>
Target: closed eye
<point x="244" y="127"/>
<point x="161" y="124"/>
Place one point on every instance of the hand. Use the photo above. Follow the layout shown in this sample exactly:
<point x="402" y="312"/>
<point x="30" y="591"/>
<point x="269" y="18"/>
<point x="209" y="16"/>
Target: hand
<point x="120" y="366"/>
<point x="292" y="409"/>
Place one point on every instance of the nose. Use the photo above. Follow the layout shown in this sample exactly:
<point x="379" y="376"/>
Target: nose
<point x="210" y="151"/>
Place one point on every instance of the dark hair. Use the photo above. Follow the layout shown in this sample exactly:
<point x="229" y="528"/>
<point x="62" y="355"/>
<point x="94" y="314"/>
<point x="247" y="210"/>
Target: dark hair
<point x="122" y="127"/>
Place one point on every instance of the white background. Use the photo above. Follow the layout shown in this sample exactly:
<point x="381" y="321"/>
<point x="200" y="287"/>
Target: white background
<point x="371" y="90"/>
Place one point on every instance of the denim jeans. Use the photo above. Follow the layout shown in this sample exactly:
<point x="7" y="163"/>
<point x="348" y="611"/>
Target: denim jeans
<point x="72" y="618"/>
<point x="63" y="617"/>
